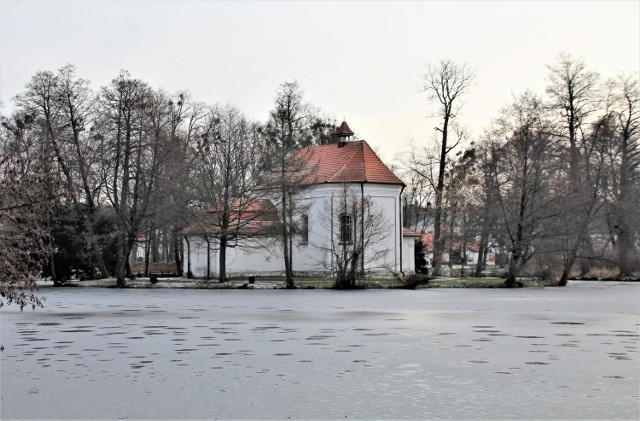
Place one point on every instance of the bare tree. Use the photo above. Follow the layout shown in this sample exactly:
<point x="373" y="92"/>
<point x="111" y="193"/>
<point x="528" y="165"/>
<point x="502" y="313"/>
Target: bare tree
<point x="574" y="95"/>
<point x="40" y="103"/>
<point x="172" y="119"/>
<point x="420" y="169"/>
<point x="521" y="165"/>
<point x="624" y="160"/>
<point x="182" y="113"/>
<point x="135" y="121"/>
<point x="458" y="205"/>
<point x="287" y="130"/>
<point x="63" y="105"/>
<point x="226" y="179"/>
<point x="77" y="107"/>
<point x="29" y="195"/>
<point x="199" y="121"/>
<point x="445" y="84"/>
<point x="485" y="200"/>
<point x="356" y="227"/>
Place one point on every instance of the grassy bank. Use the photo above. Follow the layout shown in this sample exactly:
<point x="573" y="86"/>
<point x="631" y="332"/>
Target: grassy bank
<point x="485" y="283"/>
<point x="273" y="282"/>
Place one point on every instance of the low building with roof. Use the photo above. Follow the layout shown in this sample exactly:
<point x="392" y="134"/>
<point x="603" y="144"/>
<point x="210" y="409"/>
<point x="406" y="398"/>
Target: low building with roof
<point x="329" y="173"/>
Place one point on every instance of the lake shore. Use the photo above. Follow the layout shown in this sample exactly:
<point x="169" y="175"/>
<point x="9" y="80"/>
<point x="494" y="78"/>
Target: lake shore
<point x="303" y="283"/>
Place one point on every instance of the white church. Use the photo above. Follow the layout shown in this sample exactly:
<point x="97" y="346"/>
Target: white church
<point x="331" y="170"/>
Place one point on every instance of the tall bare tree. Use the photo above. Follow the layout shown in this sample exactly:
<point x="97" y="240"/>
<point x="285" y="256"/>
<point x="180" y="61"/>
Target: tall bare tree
<point x="445" y="85"/>
<point x="226" y="179"/>
<point x="458" y="201"/>
<point x="170" y="118"/>
<point x="485" y="199"/>
<point x="573" y="94"/>
<point x="77" y="108"/>
<point x="288" y="129"/>
<point x="624" y="188"/>
<point x="135" y="121"/>
<point x="521" y="166"/>
<point x="63" y="104"/>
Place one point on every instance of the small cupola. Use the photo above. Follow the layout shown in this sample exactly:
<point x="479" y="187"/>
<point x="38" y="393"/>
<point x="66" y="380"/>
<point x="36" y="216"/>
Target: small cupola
<point x="343" y="134"/>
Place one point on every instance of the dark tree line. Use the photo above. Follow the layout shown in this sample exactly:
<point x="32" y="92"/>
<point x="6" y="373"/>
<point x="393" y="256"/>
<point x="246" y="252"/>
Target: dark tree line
<point x="552" y="185"/>
<point x="135" y="165"/>
<point x="88" y="176"/>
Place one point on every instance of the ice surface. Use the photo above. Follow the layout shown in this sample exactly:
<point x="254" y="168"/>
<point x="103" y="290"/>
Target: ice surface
<point x="215" y="354"/>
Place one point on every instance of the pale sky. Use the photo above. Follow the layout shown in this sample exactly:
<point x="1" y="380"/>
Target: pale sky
<point x="361" y="61"/>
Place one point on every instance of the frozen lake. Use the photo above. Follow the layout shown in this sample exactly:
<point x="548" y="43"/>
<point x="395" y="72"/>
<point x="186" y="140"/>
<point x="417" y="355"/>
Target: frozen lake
<point x="434" y="353"/>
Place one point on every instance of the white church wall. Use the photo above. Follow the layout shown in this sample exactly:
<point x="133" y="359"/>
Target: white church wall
<point x="255" y="257"/>
<point x="196" y="249"/>
<point x="387" y="202"/>
<point x="315" y="201"/>
<point x="408" y="255"/>
<point x="313" y="257"/>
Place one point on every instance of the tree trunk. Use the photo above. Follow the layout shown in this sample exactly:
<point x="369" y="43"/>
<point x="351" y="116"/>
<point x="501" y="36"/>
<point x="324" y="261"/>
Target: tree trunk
<point x="177" y="252"/>
<point x="514" y="269"/>
<point x="189" y="272"/>
<point x="121" y="265"/>
<point x="437" y="235"/>
<point x="438" y="243"/>
<point x="566" y="271"/>
<point x="482" y="253"/>
<point x="208" y="274"/>
<point x="625" y="249"/>
<point x="285" y="240"/>
<point x="579" y="239"/>
<point x="586" y="262"/>
<point x="222" y="260"/>
<point x="290" y="224"/>
<point x="147" y="251"/>
<point x="351" y="279"/>
<point x="52" y="268"/>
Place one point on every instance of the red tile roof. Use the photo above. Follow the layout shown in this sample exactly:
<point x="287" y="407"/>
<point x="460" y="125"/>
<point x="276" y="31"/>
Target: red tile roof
<point x="346" y="162"/>
<point x="408" y="233"/>
<point x="255" y="218"/>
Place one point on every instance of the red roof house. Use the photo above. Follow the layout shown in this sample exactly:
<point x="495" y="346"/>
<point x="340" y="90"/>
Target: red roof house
<point x="327" y="170"/>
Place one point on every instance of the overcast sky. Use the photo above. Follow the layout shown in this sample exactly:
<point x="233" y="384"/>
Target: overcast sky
<point x="360" y="61"/>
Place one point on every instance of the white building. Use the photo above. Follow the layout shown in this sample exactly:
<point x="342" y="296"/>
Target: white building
<point x="332" y="171"/>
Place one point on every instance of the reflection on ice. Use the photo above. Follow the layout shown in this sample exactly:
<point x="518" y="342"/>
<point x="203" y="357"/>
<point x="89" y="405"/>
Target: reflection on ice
<point x="534" y="353"/>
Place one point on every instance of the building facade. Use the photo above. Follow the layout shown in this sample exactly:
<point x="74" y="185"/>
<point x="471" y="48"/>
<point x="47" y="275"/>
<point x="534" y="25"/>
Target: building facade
<point x="347" y="194"/>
